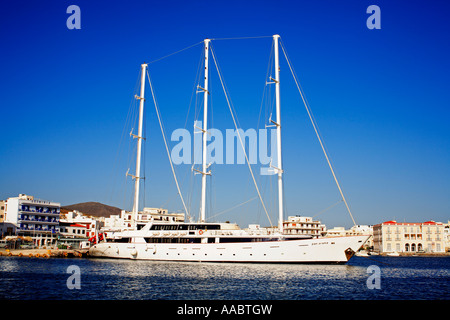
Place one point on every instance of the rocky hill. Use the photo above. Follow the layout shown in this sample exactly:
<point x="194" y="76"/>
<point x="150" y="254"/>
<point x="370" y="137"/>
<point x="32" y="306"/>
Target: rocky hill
<point x="96" y="209"/>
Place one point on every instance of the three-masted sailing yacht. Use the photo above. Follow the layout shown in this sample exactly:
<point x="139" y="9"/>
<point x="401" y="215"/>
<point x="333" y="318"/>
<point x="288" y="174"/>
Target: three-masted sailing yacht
<point x="220" y="242"/>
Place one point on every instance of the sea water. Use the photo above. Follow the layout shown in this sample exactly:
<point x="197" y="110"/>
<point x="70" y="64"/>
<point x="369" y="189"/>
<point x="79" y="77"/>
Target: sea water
<point x="398" y="278"/>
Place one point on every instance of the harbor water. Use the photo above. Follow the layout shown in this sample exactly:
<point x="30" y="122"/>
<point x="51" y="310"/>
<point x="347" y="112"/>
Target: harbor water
<point x="363" y="278"/>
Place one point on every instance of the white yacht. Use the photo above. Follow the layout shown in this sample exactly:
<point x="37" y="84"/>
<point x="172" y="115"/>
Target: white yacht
<point x="176" y="240"/>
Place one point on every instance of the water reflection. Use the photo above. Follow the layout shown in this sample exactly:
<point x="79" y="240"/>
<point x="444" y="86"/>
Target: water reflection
<point x="28" y="278"/>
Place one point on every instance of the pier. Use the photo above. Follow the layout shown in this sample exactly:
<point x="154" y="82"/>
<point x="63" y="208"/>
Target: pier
<point x="45" y="253"/>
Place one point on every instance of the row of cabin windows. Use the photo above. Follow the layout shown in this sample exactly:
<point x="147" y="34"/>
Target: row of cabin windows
<point x="185" y="227"/>
<point x="198" y="240"/>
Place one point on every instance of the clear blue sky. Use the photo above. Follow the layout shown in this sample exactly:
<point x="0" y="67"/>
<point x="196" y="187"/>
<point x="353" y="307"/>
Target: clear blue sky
<point x="381" y="99"/>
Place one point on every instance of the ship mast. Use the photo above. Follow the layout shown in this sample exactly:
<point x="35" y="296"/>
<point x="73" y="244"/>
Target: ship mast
<point x="278" y="126"/>
<point x="205" y="136"/>
<point x="139" y="136"/>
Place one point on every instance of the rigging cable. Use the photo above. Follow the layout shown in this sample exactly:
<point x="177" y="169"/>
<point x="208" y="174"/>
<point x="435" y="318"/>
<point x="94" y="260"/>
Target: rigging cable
<point x="328" y="208"/>
<point x="239" y="135"/>
<point x="116" y="163"/>
<point x="317" y="133"/>
<point x="242" y="38"/>
<point x="236" y="206"/>
<point x="171" y="54"/>
<point x="165" y="143"/>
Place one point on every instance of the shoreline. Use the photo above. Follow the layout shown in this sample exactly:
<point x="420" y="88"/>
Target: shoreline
<point x="411" y="254"/>
<point x="84" y="253"/>
<point x="404" y="254"/>
<point x="44" y="253"/>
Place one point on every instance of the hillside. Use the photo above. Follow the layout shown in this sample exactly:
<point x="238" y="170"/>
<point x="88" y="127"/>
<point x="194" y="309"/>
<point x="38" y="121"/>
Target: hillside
<point x="96" y="209"/>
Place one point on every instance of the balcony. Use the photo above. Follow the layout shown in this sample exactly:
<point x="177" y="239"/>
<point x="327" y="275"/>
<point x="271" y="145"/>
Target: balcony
<point x="38" y="219"/>
<point x="40" y="210"/>
<point x="40" y="228"/>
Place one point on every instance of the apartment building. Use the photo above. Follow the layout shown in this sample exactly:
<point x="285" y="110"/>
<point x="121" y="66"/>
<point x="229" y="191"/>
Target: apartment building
<point x="353" y="231"/>
<point x="408" y="237"/>
<point x="2" y="210"/>
<point x="35" y="218"/>
<point x="75" y="227"/>
<point x="303" y="225"/>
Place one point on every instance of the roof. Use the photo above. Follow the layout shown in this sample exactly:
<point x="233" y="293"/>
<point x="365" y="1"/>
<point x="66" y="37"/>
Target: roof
<point x="393" y="222"/>
<point x="78" y="225"/>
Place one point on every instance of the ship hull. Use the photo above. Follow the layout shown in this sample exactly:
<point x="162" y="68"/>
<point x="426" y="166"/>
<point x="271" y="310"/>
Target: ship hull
<point x="322" y="250"/>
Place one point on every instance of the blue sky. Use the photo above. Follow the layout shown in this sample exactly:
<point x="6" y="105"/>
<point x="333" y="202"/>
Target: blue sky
<point x="380" y="98"/>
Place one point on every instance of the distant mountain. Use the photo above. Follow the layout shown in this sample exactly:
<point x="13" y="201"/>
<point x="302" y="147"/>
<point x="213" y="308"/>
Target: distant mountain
<point x="96" y="209"/>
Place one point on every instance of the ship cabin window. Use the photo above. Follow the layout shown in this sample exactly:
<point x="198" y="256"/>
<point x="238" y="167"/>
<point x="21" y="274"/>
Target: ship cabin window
<point x="225" y="240"/>
<point x="185" y="227"/>
<point x="140" y="226"/>
<point x="172" y="240"/>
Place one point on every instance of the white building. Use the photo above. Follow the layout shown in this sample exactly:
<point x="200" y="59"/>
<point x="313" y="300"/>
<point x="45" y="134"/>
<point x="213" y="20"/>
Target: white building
<point x="356" y="230"/>
<point x="76" y="227"/>
<point x="303" y="225"/>
<point x="35" y="218"/>
<point x="2" y="210"/>
<point x="408" y="237"/>
<point x="336" y="232"/>
<point x="447" y="236"/>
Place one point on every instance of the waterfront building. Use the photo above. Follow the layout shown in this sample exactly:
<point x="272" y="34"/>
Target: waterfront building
<point x="336" y="232"/>
<point x="408" y="237"/>
<point x="303" y="225"/>
<point x="447" y="236"/>
<point x="6" y="228"/>
<point x="34" y="218"/>
<point x="115" y="222"/>
<point x="76" y="227"/>
<point x="356" y="230"/>
<point x="359" y="229"/>
<point x="2" y="210"/>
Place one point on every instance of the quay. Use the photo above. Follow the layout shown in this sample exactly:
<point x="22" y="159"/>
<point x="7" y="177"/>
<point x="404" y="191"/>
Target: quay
<point x="45" y="253"/>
